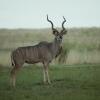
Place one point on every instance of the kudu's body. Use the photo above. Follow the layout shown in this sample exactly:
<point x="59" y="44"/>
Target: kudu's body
<point x="43" y="52"/>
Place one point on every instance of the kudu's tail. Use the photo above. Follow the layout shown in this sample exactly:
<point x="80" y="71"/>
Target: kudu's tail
<point x="12" y="60"/>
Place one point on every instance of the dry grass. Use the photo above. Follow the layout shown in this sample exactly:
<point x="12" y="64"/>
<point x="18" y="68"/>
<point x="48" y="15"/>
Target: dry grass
<point x="80" y="45"/>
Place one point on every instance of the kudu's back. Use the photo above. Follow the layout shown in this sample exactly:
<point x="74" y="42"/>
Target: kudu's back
<point x="32" y="54"/>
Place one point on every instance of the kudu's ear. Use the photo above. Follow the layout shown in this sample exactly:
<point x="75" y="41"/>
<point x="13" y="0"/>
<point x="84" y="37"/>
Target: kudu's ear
<point x="55" y="32"/>
<point x="64" y="32"/>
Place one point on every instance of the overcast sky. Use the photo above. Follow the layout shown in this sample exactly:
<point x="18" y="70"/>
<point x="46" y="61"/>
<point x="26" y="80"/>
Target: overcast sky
<point x="32" y="13"/>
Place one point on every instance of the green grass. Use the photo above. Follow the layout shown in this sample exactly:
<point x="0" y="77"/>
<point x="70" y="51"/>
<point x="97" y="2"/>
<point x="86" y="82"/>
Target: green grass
<point x="69" y="82"/>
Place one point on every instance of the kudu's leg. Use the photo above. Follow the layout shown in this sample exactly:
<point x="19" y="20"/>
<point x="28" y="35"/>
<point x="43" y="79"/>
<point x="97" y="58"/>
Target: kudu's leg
<point x="46" y="74"/>
<point x="13" y="75"/>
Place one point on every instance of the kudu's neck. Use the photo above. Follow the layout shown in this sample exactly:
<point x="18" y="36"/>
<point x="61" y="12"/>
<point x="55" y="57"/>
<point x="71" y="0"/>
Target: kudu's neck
<point x="56" y="44"/>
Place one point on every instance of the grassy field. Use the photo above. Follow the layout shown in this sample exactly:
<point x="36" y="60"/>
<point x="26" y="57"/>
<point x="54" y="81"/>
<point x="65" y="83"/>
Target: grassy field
<point x="77" y="79"/>
<point x="69" y="82"/>
<point x="83" y="44"/>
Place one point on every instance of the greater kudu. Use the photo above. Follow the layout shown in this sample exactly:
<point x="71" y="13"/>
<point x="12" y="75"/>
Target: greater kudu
<point x="43" y="52"/>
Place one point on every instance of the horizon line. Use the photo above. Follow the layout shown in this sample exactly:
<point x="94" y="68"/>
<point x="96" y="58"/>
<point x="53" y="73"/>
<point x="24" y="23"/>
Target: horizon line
<point x="49" y="27"/>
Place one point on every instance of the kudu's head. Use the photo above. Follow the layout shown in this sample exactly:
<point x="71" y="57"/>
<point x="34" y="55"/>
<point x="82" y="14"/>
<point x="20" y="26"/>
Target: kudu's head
<point x="58" y="35"/>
